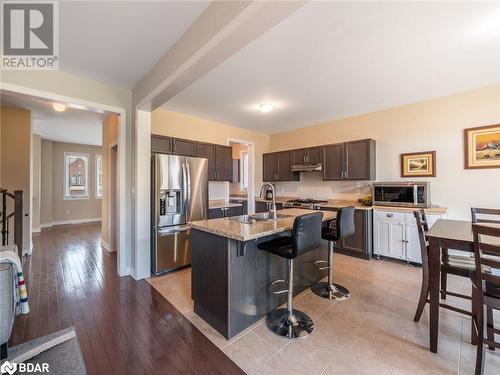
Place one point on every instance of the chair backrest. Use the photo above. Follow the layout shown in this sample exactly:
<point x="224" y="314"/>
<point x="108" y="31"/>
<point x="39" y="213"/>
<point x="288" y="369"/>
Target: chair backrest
<point x="422" y="227"/>
<point x="306" y="233"/>
<point x="345" y="222"/>
<point x="487" y="253"/>
<point x="485" y="215"/>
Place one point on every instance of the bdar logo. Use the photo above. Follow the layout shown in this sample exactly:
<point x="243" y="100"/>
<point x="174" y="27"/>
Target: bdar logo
<point x="8" y="368"/>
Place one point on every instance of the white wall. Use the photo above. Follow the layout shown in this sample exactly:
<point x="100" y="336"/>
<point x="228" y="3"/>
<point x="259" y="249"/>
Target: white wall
<point x="436" y="124"/>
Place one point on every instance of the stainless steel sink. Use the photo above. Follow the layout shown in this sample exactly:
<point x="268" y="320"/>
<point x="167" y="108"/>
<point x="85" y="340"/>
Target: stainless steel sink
<point x="255" y="218"/>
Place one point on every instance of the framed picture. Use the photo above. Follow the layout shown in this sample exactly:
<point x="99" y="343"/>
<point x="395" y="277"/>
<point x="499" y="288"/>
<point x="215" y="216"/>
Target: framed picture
<point x="482" y="147"/>
<point x="418" y="164"/>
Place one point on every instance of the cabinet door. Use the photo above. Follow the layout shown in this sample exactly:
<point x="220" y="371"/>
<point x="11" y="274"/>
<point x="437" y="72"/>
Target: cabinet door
<point x="357" y="242"/>
<point x="183" y="147"/>
<point x="413" y="251"/>
<point x="299" y="156"/>
<point x="381" y="238"/>
<point x="215" y="213"/>
<point x="260" y="207"/>
<point x="234" y="211"/>
<point x="285" y="167"/>
<point x="223" y="163"/>
<point x="360" y="160"/>
<point x="161" y="144"/>
<point x="270" y="167"/>
<point x="333" y="162"/>
<point x="207" y="151"/>
<point x="397" y="247"/>
<point x="315" y="155"/>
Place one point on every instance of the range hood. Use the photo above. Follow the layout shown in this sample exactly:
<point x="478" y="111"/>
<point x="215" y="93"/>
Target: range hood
<point x="307" y="167"/>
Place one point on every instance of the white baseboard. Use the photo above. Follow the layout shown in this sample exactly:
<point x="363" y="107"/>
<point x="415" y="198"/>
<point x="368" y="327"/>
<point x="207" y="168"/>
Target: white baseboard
<point x="67" y="222"/>
<point x="106" y="246"/>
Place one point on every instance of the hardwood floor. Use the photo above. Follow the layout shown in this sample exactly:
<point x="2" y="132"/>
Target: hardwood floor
<point x="123" y="325"/>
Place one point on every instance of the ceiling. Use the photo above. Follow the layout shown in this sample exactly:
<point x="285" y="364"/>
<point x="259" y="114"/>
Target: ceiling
<point x="333" y="60"/>
<point x="71" y="126"/>
<point x="118" y="42"/>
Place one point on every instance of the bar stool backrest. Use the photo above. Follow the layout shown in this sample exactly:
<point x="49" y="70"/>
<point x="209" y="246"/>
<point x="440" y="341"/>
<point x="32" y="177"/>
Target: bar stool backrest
<point x="422" y="227"/>
<point x="306" y="233"/>
<point x="345" y="222"/>
<point x="485" y="215"/>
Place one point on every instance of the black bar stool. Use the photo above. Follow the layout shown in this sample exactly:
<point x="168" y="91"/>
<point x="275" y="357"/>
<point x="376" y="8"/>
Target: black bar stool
<point x="343" y="227"/>
<point x="306" y="236"/>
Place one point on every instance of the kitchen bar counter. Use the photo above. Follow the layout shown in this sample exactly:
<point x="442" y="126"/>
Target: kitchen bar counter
<point x="222" y="203"/>
<point x="231" y="276"/>
<point x="234" y="229"/>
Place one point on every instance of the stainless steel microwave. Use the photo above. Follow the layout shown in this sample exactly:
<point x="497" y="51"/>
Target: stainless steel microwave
<point x="404" y="194"/>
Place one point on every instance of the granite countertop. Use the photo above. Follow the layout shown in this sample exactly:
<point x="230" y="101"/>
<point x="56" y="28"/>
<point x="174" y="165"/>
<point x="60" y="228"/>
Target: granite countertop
<point x="430" y="210"/>
<point x="234" y="229"/>
<point x="221" y="203"/>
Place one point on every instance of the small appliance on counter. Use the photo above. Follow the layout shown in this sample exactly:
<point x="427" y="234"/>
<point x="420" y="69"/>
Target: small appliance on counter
<point x="269" y="193"/>
<point x="402" y="194"/>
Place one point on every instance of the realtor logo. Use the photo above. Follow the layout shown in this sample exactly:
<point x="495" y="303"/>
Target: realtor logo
<point x="30" y="35"/>
<point x="8" y="368"/>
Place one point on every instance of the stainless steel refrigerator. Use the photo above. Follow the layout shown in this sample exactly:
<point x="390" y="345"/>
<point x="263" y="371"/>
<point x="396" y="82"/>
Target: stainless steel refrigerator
<point x="179" y="195"/>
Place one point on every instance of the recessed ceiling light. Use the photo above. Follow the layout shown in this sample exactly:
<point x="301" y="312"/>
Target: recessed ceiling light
<point x="266" y="107"/>
<point x="59" y="107"/>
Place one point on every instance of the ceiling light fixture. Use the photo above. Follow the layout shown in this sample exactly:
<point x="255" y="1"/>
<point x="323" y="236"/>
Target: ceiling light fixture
<point x="59" y="107"/>
<point x="266" y="107"/>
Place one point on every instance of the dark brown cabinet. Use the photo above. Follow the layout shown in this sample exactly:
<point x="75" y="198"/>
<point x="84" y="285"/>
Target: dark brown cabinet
<point x="277" y="166"/>
<point x="161" y="144"/>
<point x="354" y="160"/>
<point x="312" y="155"/>
<point x="183" y="147"/>
<point x="360" y="243"/>
<point x="265" y="206"/>
<point x="223" y="163"/>
<point x="207" y="151"/>
<point x="217" y="213"/>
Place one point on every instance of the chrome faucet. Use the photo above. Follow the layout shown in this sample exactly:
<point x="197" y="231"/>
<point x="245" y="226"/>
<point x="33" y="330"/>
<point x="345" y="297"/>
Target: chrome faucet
<point x="274" y="216"/>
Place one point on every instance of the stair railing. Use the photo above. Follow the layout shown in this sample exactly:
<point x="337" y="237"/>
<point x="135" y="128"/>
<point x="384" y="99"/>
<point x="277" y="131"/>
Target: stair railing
<point x="17" y="215"/>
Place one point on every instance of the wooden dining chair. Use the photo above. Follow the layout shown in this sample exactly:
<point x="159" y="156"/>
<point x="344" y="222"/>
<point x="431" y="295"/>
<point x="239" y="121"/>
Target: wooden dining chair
<point x="486" y="285"/>
<point x="456" y="265"/>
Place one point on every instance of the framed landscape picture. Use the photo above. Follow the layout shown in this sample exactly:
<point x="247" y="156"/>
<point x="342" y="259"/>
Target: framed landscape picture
<point x="418" y="164"/>
<point x="482" y="147"/>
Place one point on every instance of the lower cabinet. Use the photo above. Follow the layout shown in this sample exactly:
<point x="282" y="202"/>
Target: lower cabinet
<point x="360" y="243"/>
<point x="244" y="205"/>
<point x="220" y="212"/>
<point x="395" y="234"/>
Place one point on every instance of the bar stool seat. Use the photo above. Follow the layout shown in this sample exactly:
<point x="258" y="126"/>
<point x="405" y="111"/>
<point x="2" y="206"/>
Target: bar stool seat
<point x="306" y="236"/>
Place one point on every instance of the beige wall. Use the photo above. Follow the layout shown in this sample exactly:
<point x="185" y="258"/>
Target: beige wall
<point x="36" y="181"/>
<point x="436" y="124"/>
<point x="109" y="138"/>
<point x="183" y="126"/>
<point x="46" y="182"/>
<point x="15" y="155"/>
<point x="67" y="210"/>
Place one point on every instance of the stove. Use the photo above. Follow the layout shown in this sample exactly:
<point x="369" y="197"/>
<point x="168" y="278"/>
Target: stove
<point x="308" y="203"/>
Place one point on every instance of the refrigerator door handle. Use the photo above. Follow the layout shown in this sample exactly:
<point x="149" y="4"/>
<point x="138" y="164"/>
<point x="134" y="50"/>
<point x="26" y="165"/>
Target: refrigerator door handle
<point x="184" y="190"/>
<point x="188" y="190"/>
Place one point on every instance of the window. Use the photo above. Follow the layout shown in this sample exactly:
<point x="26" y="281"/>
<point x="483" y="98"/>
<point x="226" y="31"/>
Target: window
<point x="76" y="176"/>
<point x="98" y="176"/>
<point x="244" y="170"/>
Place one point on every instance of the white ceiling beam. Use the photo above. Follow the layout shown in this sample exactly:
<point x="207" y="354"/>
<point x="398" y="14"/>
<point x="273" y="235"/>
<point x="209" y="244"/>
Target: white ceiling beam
<point x="222" y="30"/>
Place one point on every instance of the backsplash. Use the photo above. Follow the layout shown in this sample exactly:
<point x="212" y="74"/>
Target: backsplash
<point x="311" y="185"/>
<point x="218" y="190"/>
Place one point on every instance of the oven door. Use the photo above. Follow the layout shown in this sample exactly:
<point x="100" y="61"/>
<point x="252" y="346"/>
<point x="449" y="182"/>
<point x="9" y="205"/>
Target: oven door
<point x="395" y="195"/>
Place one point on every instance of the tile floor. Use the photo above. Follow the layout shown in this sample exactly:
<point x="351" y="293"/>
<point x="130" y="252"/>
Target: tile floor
<point x="371" y="333"/>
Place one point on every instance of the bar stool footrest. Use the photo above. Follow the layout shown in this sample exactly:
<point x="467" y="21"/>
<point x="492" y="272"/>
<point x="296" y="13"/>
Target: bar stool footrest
<point x="321" y="268"/>
<point x="277" y="291"/>
<point x="293" y="326"/>
<point x="333" y="292"/>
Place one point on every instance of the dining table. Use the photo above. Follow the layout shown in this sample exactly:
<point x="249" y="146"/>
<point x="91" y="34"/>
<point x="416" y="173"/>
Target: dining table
<point x="444" y="234"/>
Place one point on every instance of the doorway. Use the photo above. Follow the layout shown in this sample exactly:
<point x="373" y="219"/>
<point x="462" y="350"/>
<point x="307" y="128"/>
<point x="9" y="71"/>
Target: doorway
<point x="113" y="198"/>
<point x="243" y="181"/>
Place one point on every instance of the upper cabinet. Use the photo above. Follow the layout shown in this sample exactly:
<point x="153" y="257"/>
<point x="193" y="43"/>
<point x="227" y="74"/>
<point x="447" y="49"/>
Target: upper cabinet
<point x="223" y="163"/>
<point x="277" y="166"/>
<point x="353" y="160"/>
<point x="350" y="161"/>
<point x="207" y="151"/>
<point x="312" y="155"/>
<point x="219" y="157"/>
<point x="183" y="147"/>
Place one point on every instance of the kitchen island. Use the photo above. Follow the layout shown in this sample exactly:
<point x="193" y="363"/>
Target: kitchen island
<point x="231" y="276"/>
